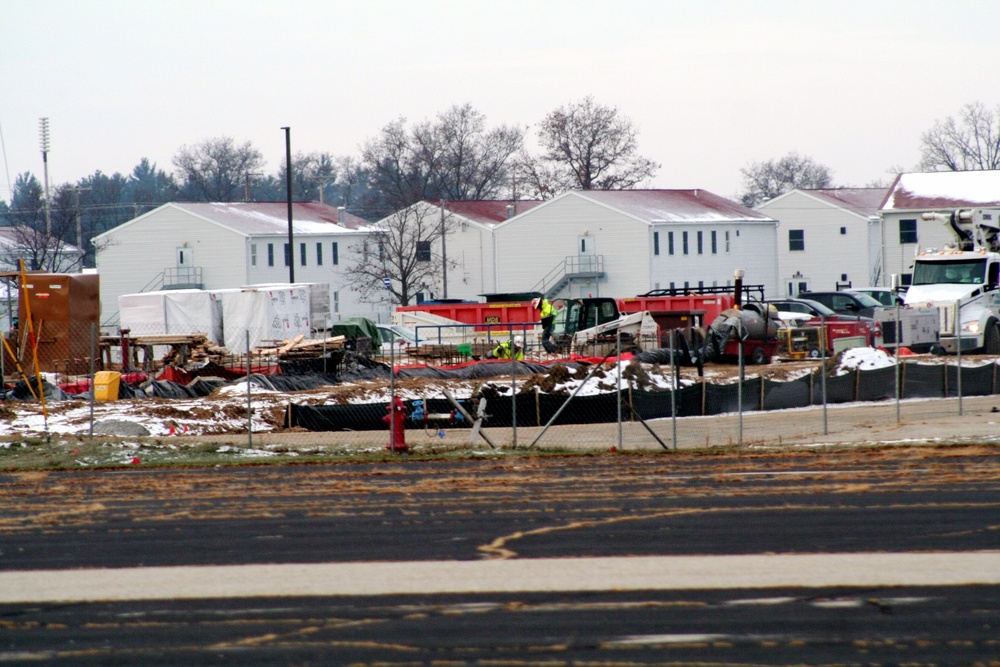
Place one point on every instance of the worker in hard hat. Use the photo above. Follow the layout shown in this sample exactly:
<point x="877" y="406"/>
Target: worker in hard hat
<point x="548" y="312"/>
<point x="509" y="349"/>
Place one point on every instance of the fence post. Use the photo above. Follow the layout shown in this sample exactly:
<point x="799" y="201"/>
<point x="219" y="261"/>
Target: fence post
<point x="822" y="372"/>
<point x="618" y="354"/>
<point x="958" y="369"/>
<point x="249" y="402"/>
<point x="513" y="397"/>
<point x="674" y="381"/>
<point x="93" y="375"/>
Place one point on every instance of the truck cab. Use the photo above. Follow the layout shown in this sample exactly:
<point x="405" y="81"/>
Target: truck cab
<point x="963" y="282"/>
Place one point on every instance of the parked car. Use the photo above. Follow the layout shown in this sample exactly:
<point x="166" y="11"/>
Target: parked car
<point x="883" y="295"/>
<point x="801" y="309"/>
<point x="838" y="325"/>
<point x="845" y="303"/>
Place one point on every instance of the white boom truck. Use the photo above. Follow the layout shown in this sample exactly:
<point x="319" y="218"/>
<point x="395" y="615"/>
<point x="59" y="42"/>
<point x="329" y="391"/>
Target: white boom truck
<point x="963" y="276"/>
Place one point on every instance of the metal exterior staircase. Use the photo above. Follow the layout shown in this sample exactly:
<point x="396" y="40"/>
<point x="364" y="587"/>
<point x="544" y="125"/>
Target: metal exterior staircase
<point x="573" y="268"/>
<point x="178" y="277"/>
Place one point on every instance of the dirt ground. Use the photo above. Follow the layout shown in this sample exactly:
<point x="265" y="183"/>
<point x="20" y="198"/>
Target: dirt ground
<point x="215" y="427"/>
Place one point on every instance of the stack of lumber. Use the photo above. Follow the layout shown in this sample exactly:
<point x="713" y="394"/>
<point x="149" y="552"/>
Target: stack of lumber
<point x="301" y="347"/>
<point x="184" y="348"/>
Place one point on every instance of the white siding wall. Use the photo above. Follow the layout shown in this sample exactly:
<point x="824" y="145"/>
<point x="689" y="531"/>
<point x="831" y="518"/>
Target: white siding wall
<point x="531" y="245"/>
<point x="829" y="255"/>
<point x="136" y="253"/>
<point x="344" y="302"/>
<point x="750" y="247"/>
<point x="471" y="247"/>
<point x="930" y="234"/>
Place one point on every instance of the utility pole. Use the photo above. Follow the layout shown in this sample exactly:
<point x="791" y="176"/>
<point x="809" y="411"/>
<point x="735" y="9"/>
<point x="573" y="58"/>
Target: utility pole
<point x="246" y="188"/>
<point x="79" y="224"/>
<point x="43" y="135"/>
<point x="288" y="179"/>
<point x="444" y="256"/>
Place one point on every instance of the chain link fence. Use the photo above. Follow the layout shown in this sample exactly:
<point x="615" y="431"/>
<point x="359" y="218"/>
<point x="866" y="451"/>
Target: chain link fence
<point x="332" y="394"/>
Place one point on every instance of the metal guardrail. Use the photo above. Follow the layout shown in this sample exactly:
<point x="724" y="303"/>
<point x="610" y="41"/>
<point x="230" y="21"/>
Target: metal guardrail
<point x="571" y="265"/>
<point x="182" y="276"/>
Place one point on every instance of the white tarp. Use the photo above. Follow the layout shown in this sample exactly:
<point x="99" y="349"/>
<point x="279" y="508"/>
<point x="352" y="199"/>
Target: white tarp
<point x="180" y="312"/>
<point x="270" y="315"/>
<point x="319" y="299"/>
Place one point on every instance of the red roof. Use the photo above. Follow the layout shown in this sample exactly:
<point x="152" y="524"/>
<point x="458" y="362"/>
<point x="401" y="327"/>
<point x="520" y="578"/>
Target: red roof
<point x="245" y="215"/>
<point x="488" y="211"/>
<point x="863" y="201"/>
<point x="685" y="206"/>
<point x="944" y="190"/>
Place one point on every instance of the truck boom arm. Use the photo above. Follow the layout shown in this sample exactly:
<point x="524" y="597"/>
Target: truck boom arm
<point x="974" y="228"/>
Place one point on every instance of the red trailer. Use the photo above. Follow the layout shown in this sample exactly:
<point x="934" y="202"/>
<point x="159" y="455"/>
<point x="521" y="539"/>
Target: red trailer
<point x="512" y="312"/>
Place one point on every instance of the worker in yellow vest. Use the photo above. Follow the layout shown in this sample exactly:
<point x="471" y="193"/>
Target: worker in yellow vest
<point x="509" y="349"/>
<point x="548" y="312"/>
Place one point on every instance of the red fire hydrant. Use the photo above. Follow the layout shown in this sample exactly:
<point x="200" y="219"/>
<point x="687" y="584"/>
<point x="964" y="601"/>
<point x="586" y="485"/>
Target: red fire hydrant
<point x="397" y="423"/>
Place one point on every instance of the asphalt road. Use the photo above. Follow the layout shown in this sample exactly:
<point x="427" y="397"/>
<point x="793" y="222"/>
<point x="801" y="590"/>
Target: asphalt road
<point x="877" y="556"/>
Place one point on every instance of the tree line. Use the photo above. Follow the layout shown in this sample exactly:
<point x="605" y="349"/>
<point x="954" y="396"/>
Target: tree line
<point x="455" y="156"/>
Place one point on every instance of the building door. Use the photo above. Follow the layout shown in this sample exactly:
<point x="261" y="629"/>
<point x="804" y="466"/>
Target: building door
<point x="185" y="272"/>
<point x="797" y="285"/>
<point x="586" y="254"/>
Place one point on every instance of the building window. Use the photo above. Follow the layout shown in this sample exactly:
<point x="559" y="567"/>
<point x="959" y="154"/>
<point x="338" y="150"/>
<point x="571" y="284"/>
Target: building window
<point x="270" y="254"/>
<point x="656" y="243"/>
<point x="684" y="243"/>
<point x="701" y="244"/>
<point x="336" y="302"/>
<point x="288" y="255"/>
<point x="715" y="243"/>
<point x="796" y="239"/>
<point x="670" y="243"/>
<point x="319" y="254"/>
<point x="908" y="231"/>
<point x="843" y="231"/>
<point x="302" y="253"/>
<point x="253" y="254"/>
<point x="423" y="251"/>
<point x="334" y="258"/>
<point x="727" y="243"/>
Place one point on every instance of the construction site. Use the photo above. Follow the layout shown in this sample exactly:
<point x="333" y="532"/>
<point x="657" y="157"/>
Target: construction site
<point x="646" y="365"/>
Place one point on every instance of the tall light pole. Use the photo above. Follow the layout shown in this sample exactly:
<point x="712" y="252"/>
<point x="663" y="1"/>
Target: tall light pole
<point x="288" y="181"/>
<point x="43" y="135"/>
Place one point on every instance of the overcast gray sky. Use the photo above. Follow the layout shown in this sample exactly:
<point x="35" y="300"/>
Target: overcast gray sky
<point x="712" y="85"/>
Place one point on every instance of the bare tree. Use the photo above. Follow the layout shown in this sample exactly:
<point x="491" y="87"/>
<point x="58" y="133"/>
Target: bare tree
<point x="454" y="157"/>
<point x="25" y="237"/>
<point x="352" y="182"/>
<point x="311" y="172"/>
<point x="475" y="163"/>
<point x="40" y="250"/>
<point x="766" y="180"/>
<point x="970" y="143"/>
<point x="402" y="171"/>
<point x="403" y="252"/>
<point x="215" y="169"/>
<point x="586" y="146"/>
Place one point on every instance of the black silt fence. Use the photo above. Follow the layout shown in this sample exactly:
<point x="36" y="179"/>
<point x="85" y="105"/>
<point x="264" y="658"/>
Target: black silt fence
<point x="703" y="399"/>
<point x="921" y="381"/>
<point x="784" y="395"/>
